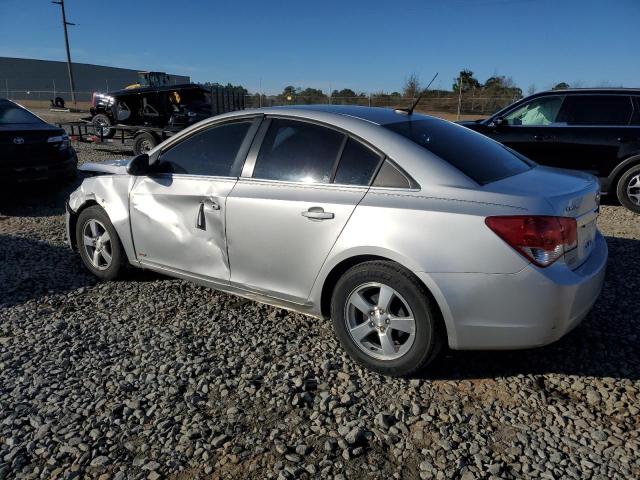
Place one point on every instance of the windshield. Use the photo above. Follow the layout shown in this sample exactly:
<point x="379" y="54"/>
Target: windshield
<point x="475" y="155"/>
<point x="11" y="114"/>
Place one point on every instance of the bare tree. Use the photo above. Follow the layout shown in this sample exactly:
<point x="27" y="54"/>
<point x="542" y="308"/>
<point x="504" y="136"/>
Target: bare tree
<point x="411" y="86"/>
<point x="531" y="90"/>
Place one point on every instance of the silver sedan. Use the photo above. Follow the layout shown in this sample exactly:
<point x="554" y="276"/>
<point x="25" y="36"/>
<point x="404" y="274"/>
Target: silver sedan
<point x="409" y="232"/>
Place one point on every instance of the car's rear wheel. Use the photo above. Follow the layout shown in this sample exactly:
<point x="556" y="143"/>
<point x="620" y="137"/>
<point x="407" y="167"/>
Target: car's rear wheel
<point x="102" y="123"/>
<point x="628" y="189"/>
<point x="384" y="319"/>
<point x="99" y="245"/>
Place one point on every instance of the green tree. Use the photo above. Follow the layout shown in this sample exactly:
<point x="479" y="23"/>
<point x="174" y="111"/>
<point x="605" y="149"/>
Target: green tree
<point x="466" y="80"/>
<point x="561" y="86"/>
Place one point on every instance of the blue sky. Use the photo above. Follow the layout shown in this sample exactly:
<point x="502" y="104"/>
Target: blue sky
<point x="364" y="45"/>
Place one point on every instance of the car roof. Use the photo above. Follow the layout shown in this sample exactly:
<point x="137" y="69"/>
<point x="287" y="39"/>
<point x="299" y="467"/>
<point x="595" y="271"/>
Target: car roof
<point x="164" y="88"/>
<point x="578" y="91"/>
<point x="377" y="115"/>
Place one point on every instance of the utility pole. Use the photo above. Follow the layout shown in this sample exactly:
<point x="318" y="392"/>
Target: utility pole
<point x="459" y="95"/>
<point x="66" y="41"/>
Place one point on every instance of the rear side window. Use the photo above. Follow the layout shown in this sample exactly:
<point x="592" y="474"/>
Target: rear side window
<point x="10" y="113"/>
<point x="475" y="155"/>
<point x="635" y="119"/>
<point x="596" y="110"/>
<point x="298" y="152"/>
<point x="389" y="176"/>
<point x="211" y="152"/>
<point x="357" y="164"/>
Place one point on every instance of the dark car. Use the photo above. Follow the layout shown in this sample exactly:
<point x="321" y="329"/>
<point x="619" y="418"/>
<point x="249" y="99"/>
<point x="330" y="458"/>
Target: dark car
<point x="32" y="149"/>
<point x="593" y="130"/>
<point x="156" y="106"/>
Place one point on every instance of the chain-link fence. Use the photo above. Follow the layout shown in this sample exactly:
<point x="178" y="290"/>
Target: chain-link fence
<point x="470" y="104"/>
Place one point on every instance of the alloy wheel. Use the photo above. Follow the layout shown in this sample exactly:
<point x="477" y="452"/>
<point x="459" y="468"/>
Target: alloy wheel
<point x="97" y="244"/>
<point x="633" y="189"/>
<point x="380" y="321"/>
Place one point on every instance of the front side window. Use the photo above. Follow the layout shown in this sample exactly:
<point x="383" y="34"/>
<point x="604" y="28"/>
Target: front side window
<point x="541" y="111"/>
<point x="211" y="152"/>
<point x="596" y="110"/>
<point x="480" y="158"/>
<point x="298" y="152"/>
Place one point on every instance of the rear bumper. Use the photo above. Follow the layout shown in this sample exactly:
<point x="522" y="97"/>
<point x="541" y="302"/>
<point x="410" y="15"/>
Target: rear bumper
<point x="531" y="308"/>
<point x="65" y="168"/>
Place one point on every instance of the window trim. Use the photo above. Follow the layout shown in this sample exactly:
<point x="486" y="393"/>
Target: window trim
<point x="252" y="156"/>
<point x="239" y="159"/>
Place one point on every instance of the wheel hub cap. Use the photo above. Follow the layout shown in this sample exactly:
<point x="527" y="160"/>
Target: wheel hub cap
<point x="633" y="190"/>
<point x="380" y="321"/>
<point x="97" y="244"/>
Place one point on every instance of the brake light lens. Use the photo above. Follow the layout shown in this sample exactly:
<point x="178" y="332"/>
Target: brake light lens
<point x="61" y="140"/>
<point x="540" y="239"/>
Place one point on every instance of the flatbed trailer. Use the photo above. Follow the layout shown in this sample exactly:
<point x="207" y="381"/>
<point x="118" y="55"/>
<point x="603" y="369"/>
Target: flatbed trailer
<point x="140" y="138"/>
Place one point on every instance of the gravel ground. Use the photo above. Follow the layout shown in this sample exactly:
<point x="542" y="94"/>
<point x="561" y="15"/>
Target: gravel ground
<point x="156" y="378"/>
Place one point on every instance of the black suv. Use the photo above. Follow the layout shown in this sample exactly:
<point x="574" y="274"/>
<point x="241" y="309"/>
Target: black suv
<point x="593" y="130"/>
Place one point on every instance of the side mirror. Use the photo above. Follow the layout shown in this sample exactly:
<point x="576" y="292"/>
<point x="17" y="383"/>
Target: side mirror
<point x="138" y="165"/>
<point x="499" y="122"/>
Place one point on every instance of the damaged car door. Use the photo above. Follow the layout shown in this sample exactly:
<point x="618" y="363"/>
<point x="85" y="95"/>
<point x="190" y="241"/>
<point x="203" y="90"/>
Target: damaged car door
<point x="178" y="210"/>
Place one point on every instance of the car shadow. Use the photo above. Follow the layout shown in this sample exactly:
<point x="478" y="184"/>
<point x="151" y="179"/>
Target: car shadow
<point x="605" y="344"/>
<point x="32" y="269"/>
<point x="37" y="199"/>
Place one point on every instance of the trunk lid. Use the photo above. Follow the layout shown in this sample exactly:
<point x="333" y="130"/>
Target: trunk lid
<point x="26" y="144"/>
<point x="569" y="193"/>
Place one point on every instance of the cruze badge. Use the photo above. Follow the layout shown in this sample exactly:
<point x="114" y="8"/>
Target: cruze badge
<point x="18" y="140"/>
<point x="571" y="208"/>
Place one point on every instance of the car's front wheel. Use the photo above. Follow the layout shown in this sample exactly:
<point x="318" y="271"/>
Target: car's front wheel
<point x="99" y="244"/>
<point x="628" y="189"/>
<point x="384" y="319"/>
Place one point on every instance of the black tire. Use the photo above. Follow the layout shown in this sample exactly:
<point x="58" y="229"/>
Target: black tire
<point x="428" y="337"/>
<point x="118" y="262"/>
<point x="629" y="182"/>
<point x="102" y="121"/>
<point x="59" y="102"/>
<point x="143" y="142"/>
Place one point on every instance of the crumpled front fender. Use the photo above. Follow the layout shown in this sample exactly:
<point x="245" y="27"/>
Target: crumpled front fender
<point x="111" y="192"/>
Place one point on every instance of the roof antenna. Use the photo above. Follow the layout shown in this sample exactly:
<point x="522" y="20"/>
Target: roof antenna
<point x="409" y="111"/>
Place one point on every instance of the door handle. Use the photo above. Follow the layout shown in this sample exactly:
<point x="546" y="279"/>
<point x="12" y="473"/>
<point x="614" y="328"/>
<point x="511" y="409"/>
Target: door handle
<point x="200" y="221"/>
<point x="317" y="213"/>
<point x="628" y="139"/>
<point x="541" y="138"/>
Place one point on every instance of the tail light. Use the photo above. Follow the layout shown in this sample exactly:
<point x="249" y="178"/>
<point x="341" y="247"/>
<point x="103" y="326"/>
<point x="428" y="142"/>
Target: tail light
<point x="540" y="239"/>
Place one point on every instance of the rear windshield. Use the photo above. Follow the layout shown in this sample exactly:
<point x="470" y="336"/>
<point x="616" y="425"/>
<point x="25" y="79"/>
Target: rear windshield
<point x="10" y="114"/>
<point x="473" y="154"/>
